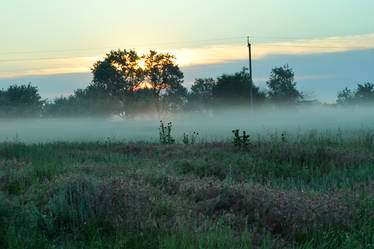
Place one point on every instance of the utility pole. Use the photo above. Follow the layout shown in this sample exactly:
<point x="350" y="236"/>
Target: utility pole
<point x="250" y="75"/>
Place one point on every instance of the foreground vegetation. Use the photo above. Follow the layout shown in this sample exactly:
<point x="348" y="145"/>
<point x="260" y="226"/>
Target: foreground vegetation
<point x="313" y="191"/>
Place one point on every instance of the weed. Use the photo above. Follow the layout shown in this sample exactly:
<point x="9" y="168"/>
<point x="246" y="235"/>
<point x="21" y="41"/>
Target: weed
<point x="165" y="133"/>
<point x="241" y="142"/>
<point x="284" y="137"/>
<point x="190" y="139"/>
<point x="185" y="138"/>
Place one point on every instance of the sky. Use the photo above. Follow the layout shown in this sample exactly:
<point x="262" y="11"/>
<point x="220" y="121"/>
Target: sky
<point x="54" y="43"/>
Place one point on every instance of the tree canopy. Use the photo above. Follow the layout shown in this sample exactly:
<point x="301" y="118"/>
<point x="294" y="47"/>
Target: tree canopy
<point x="282" y="86"/>
<point x="235" y="89"/>
<point x="201" y="94"/>
<point x="119" y="73"/>
<point x="123" y="81"/>
<point x="122" y="75"/>
<point x="20" y="101"/>
<point x="162" y="72"/>
<point x="363" y="94"/>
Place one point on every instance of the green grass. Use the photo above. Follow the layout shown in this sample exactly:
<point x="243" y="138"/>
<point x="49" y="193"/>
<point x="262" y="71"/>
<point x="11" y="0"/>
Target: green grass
<point x="307" y="191"/>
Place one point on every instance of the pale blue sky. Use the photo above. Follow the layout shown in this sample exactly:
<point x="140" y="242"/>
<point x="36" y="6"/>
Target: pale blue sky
<point x="54" y="36"/>
<point x="69" y="24"/>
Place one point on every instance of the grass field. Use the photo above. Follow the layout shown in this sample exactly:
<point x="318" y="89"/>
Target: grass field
<point x="313" y="190"/>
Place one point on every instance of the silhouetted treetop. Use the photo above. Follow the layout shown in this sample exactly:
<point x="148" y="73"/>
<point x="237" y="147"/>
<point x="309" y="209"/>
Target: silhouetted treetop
<point x="363" y="94"/>
<point x="282" y="87"/>
<point x="345" y="96"/>
<point x="202" y="88"/>
<point x="161" y="71"/>
<point x="235" y="88"/>
<point x="118" y="72"/>
<point x="20" y="101"/>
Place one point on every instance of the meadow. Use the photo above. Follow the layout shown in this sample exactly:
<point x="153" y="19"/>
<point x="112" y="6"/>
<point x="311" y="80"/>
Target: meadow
<point x="305" y="184"/>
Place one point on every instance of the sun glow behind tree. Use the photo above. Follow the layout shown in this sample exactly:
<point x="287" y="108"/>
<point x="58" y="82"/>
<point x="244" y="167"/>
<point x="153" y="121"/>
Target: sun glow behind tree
<point x="124" y="75"/>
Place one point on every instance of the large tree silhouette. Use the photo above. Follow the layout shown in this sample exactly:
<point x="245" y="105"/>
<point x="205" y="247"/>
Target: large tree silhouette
<point x="235" y="89"/>
<point x="119" y="73"/>
<point x="282" y="87"/>
<point x="162" y="72"/>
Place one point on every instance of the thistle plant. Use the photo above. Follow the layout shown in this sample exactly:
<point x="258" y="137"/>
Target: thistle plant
<point x="185" y="138"/>
<point x="241" y="141"/>
<point x="165" y="133"/>
<point x="190" y="139"/>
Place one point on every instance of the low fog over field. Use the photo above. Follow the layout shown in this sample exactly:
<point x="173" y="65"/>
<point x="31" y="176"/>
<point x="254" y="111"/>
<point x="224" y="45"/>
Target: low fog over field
<point x="212" y="126"/>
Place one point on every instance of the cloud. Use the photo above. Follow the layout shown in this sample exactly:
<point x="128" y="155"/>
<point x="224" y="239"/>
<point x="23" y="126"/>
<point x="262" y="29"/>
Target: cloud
<point x="219" y="54"/>
<point x="194" y="56"/>
<point x="44" y="71"/>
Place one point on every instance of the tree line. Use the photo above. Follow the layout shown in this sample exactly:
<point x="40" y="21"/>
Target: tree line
<point x="126" y="83"/>
<point x="362" y="95"/>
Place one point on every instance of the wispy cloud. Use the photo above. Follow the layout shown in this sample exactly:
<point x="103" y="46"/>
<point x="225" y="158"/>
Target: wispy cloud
<point x="194" y="56"/>
<point x="46" y="66"/>
<point x="44" y="71"/>
<point x="218" y="54"/>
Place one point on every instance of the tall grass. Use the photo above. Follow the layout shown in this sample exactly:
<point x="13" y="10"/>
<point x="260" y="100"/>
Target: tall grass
<point x="310" y="190"/>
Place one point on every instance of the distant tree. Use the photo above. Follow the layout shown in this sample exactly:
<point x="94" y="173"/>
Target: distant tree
<point x="346" y="96"/>
<point x="91" y="101"/>
<point x="96" y="101"/>
<point x="282" y="87"/>
<point x="175" y="97"/>
<point x="201" y="93"/>
<point x="63" y="107"/>
<point x="203" y="87"/>
<point x="363" y="94"/>
<point x="144" y="102"/>
<point x="162" y="72"/>
<point x="20" y="101"/>
<point x="235" y="89"/>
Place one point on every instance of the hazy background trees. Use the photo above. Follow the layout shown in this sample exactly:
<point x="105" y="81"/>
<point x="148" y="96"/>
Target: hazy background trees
<point x="94" y="100"/>
<point x="20" y="101"/>
<point x="200" y="96"/>
<point x="175" y="98"/>
<point x="363" y="94"/>
<point x="126" y="83"/>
